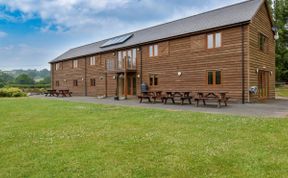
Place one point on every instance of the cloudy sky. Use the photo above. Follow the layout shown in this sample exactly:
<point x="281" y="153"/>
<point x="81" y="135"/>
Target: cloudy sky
<point x="33" y="32"/>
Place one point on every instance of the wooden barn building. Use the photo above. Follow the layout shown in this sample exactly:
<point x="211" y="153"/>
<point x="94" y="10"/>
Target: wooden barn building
<point x="230" y="49"/>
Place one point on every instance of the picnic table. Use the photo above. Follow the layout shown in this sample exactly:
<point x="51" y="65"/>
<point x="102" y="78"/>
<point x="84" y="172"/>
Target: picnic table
<point x="65" y="93"/>
<point x="177" y="95"/>
<point x="51" y="93"/>
<point x="219" y="97"/>
<point x="155" y="95"/>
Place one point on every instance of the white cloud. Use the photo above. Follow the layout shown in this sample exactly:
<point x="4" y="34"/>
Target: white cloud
<point x="59" y="14"/>
<point x="2" y="34"/>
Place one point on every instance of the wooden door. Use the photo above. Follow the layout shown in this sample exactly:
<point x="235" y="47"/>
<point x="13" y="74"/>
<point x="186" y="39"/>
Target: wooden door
<point x="131" y="85"/>
<point x="263" y="84"/>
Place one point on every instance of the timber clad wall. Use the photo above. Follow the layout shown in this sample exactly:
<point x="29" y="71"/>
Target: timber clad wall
<point x="258" y="59"/>
<point x="188" y="55"/>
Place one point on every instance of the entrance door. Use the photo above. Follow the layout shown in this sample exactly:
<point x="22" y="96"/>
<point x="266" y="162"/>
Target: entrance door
<point x="131" y="85"/>
<point x="263" y="84"/>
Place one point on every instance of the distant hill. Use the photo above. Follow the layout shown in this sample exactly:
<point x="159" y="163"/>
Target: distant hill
<point x="33" y="73"/>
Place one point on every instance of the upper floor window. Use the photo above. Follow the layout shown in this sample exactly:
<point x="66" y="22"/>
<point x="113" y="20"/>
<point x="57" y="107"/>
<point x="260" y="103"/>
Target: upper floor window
<point x="75" y="64"/>
<point x="153" y="50"/>
<point x="128" y="58"/>
<point x="109" y="64"/>
<point x="263" y="43"/>
<point x="58" y="66"/>
<point x="214" y="40"/>
<point x="214" y="77"/>
<point x="93" y="61"/>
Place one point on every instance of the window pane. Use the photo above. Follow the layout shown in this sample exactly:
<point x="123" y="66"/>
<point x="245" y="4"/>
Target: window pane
<point x="218" y="77"/>
<point x="151" y="51"/>
<point x="151" y="80"/>
<point x="218" y="40"/>
<point x="210" y="41"/>
<point x="210" y="78"/>
<point x="119" y="60"/>
<point x="155" y="80"/>
<point x="155" y="50"/>
<point x="134" y="55"/>
<point x="129" y="58"/>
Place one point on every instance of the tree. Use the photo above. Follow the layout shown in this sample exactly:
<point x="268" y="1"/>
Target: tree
<point x="24" y="79"/>
<point x="5" y="79"/>
<point x="46" y="80"/>
<point x="280" y="17"/>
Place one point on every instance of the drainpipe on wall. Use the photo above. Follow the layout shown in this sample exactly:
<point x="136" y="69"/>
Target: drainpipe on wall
<point x="85" y="76"/>
<point x="243" y="65"/>
<point x="141" y="66"/>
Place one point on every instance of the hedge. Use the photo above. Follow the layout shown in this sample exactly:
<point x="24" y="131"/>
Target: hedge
<point x="11" y="92"/>
<point x="29" y="86"/>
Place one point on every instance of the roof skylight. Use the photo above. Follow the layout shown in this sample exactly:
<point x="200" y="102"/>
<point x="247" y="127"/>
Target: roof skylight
<point x="117" y="40"/>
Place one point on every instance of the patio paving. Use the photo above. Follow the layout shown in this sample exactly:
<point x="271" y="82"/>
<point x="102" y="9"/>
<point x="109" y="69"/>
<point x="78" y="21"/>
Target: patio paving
<point x="274" y="108"/>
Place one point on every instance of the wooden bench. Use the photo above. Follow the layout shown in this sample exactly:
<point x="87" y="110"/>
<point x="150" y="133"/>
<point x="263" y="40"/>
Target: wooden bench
<point x="186" y="96"/>
<point x="157" y="95"/>
<point x="65" y="93"/>
<point x="145" y="95"/>
<point x="51" y="93"/>
<point x="212" y="97"/>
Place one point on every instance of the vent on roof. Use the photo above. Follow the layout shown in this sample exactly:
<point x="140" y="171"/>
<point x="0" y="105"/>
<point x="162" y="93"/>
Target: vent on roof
<point x="116" y="40"/>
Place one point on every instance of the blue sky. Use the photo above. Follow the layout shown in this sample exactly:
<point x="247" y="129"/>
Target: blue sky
<point x="33" y="32"/>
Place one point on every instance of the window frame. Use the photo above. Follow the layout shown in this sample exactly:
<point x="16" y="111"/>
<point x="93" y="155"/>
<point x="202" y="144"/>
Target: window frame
<point x="92" y="61"/>
<point x="263" y="49"/>
<point x="153" y="50"/>
<point x="214" y="78"/>
<point x="57" y="83"/>
<point x="214" y="40"/>
<point x="58" y="66"/>
<point x="155" y="80"/>
<point x="109" y="65"/>
<point x="75" y="63"/>
<point x="75" y="83"/>
<point x="92" y="82"/>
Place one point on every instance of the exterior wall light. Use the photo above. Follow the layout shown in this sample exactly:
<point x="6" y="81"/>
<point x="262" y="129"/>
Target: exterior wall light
<point x="257" y="71"/>
<point x="82" y="78"/>
<point x="271" y="73"/>
<point x="65" y="80"/>
<point x="101" y="77"/>
<point x="138" y="76"/>
<point x="179" y="74"/>
<point x="114" y="77"/>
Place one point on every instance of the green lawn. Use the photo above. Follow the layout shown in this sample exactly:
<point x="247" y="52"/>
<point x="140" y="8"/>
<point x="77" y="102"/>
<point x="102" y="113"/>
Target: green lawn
<point x="282" y="91"/>
<point x="44" y="138"/>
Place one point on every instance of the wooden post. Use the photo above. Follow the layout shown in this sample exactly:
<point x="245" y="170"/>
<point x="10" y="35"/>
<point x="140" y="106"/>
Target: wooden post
<point x="125" y="85"/>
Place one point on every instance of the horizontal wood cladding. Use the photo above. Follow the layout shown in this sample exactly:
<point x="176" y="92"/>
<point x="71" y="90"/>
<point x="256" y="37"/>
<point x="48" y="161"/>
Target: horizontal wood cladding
<point x="258" y="59"/>
<point x="190" y="57"/>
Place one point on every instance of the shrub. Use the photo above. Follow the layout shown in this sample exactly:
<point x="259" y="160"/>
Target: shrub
<point x="11" y="92"/>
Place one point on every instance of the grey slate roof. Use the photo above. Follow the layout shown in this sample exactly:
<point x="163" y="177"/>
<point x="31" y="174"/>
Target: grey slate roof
<point x="233" y="14"/>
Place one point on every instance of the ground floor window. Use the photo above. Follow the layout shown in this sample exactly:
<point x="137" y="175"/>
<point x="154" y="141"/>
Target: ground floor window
<point x="57" y="83"/>
<point x="75" y="83"/>
<point x="214" y="77"/>
<point x="153" y="80"/>
<point x="93" y="82"/>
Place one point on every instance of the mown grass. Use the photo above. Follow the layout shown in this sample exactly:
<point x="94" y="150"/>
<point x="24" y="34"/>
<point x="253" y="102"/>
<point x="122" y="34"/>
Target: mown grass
<point x="44" y="138"/>
<point x="282" y="91"/>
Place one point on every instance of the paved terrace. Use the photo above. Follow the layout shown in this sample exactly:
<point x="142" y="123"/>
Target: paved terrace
<point x="275" y="108"/>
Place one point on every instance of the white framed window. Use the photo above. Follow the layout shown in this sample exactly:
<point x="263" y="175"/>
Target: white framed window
<point x="58" y="66"/>
<point x="109" y="64"/>
<point x="153" y="50"/>
<point x="75" y="64"/>
<point x="214" y="40"/>
<point x="134" y="56"/>
<point x="210" y="41"/>
<point x="92" y="61"/>
<point x="218" y="40"/>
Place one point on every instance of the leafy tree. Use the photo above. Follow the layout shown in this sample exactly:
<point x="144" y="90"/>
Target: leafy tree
<point x="46" y="80"/>
<point x="5" y="79"/>
<point x="280" y="16"/>
<point x="24" y="79"/>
